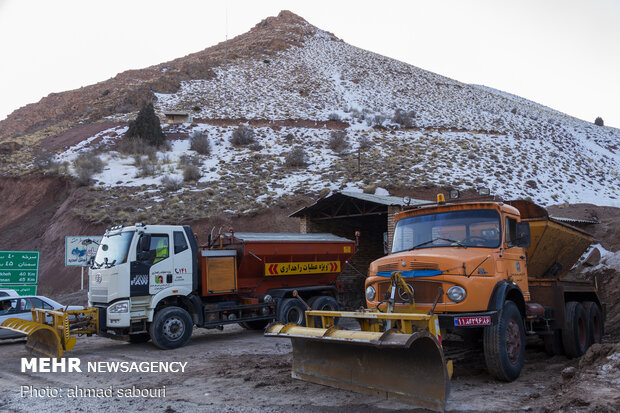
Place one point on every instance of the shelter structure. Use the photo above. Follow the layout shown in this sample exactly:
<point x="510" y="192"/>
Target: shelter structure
<point x="344" y="213"/>
<point x="175" y="117"/>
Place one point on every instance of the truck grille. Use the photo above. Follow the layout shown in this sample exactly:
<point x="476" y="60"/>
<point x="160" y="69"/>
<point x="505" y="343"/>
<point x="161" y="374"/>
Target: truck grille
<point x="424" y="292"/>
<point x="99" y="295"/>
<point x="412" y="266"/>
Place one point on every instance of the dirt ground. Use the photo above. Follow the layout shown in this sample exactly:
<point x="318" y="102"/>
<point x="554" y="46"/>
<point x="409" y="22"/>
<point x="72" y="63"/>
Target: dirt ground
<point x="241" y="371"/>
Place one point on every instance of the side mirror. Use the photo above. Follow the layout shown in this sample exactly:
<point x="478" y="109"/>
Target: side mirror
<point x="522" y="238"/>
<point x="145" y="243"/>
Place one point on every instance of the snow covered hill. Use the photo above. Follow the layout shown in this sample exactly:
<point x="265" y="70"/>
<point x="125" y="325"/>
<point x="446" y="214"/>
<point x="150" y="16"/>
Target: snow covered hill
<point x="453" y="134"/>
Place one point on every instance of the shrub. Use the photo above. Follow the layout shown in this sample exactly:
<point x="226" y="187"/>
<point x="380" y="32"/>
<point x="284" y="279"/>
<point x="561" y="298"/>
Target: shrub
<point x="256" y="147"/>
<point x="192" y="160"/>
<point x="338" y="141"/>
<point x="243" y="135"/>
<point x="86" y="165"/>
<point x="378" y="120"/>
<point x="146" y="166"/>
<point x="170" y="183"/>
<point x="191" y="173"/>
<point x="599" y="121"/>
<point x="296" y="157"/>
<point x="333" y="116"/>
<point x="365" y="143"/>
<point x="199" y="142"/>
<point x="403" y="118"/>
<point x="146" y="126"/>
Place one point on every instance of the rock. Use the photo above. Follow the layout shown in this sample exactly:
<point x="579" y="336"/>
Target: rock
<point x="568" y="373"/>
<point x="593" y="258"/>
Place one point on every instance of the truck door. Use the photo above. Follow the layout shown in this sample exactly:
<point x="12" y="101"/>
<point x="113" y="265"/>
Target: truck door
<point x="154" y="272"/>
<point x="514" y="256"/>
<point x="183" y="260"/>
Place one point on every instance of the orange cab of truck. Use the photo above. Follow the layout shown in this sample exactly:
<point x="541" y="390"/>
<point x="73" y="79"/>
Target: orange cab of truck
<point x="464" y="249"/>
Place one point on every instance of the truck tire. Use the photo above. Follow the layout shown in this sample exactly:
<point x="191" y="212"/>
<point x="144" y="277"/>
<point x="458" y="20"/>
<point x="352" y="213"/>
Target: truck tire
<point x="575" y="332"/>
<point x="323" y="303"/>
<point x="504" y="344"/>
<point x="292" y="311"/>
<point x="553" y="343"/>
<point x="171" y="328"/>
<point x="255" y="325"/>
<point x="596" y="327"/>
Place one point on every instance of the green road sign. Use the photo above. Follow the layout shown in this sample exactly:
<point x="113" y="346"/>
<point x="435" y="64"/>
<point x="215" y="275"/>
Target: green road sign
<point x="19" y="267"/>
<point x="22" y="289"/>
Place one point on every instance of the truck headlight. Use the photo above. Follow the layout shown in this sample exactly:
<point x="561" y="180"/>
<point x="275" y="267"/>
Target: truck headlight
<point x="370" y="293"/>
<point x="119" y="308"/>
<point x="457" y="294"/>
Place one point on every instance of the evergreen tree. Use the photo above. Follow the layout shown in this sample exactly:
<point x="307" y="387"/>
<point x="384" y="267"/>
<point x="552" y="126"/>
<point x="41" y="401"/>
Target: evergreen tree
<point x="599" y="121"/>
<point x="146" y="127"/>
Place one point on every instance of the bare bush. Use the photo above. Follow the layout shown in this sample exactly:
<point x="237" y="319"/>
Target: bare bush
<point x="338" y="141"/>
<point x="296" y="157"/>
<point x="147" y="166"/>
<point x="138" y="146"/>
<point x="170" y="183"/>
<point x="192" y="160"/>
<point x="333" y="116"/>
<point x="199" y="142"/>
<point x="365" y="143"/>
<point x="86" y="165"/>
<point x="403" y="118"/>
<point x="191" y="173"/>
<point x="243" y="135"/>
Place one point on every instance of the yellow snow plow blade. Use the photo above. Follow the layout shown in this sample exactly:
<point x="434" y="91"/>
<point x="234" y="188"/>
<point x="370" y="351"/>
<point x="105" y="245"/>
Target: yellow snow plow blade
<point x="404" y="363"/>
<point x="50" y="332"/>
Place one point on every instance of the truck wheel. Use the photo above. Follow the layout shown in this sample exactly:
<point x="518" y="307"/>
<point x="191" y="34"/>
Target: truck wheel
<point x="255" y="325"/>
<point x="292" y="311"/>
<point x="575" y="331"/>
<point x="139" y="338"/>
<point x="323" y="303"/>
<point x="171" y="328"/>
<point x="553" y="343"/>
<point x="594" y="315"/>
<point x="504" y="344"/>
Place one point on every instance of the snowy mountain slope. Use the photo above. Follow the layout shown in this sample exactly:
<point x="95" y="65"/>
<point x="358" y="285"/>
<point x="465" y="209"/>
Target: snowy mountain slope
<point x="461" y="135"/>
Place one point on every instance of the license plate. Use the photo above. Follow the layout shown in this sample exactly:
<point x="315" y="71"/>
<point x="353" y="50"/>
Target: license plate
<point x="472" y="321"/>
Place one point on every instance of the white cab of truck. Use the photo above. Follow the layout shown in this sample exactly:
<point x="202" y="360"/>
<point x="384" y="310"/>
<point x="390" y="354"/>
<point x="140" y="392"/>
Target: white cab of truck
<point x="138" y="266"/>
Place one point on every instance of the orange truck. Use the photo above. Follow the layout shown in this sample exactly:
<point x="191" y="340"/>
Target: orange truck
<point x="493" y="271"/>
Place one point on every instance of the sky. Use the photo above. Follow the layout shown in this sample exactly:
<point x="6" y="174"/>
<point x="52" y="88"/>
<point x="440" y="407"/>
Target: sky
<point x="564" y="54"/>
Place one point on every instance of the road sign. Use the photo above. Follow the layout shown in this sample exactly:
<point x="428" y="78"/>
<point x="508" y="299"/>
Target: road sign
<point x="19" y="267"/>
<point x="78" y="249"/>
<point x="22" y="289"/>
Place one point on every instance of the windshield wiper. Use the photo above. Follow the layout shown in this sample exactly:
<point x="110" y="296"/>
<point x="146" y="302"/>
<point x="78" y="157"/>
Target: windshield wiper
<point x="458" y="243"/>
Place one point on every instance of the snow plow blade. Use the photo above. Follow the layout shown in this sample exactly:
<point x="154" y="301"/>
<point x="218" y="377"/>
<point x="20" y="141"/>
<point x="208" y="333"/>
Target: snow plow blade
<point x="405" y="367"/>
<point x="42" y="339"/>
<point x="50" y="332"/>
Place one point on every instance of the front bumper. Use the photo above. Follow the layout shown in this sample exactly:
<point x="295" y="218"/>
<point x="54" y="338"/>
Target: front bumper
<point x="468" y="320"/>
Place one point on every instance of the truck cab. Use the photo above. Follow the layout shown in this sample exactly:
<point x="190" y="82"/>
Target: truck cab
<point x="136" y="267"/>
<point x="463" y="249"/>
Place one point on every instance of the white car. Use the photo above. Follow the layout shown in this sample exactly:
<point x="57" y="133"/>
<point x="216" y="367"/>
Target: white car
<point x="19" y="307"/>
<point x="7" y="292"/>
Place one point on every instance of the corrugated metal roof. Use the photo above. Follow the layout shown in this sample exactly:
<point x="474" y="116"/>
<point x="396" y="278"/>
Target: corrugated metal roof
<point x="376" y="199"/>
<point x="292" y="237"/>
<point x="575" y="220"/>
<point x="176" y="113"/>
<point x="383" y="199"/>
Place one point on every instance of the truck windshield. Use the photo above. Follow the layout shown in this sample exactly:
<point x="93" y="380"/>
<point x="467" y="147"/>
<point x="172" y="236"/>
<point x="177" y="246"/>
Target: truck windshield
<point x="468" y="228"/>
<point x="113" y="249"/>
